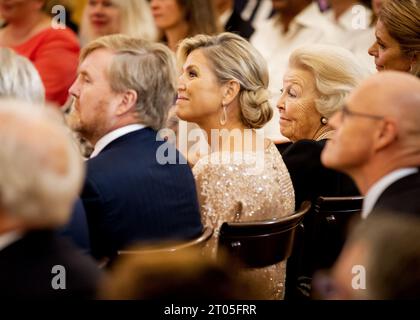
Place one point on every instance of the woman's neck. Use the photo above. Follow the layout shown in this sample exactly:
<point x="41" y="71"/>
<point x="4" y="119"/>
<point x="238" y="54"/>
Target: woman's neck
<point x="176" y="34"/>
<point x="20" y="30"/>
<point x="225" y="138"/>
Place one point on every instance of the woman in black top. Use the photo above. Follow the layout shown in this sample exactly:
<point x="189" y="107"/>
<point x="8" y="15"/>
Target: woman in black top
<point x="315" y="85"/>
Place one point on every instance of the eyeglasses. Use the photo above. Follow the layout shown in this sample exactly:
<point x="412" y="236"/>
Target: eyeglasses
<point x="345" y="112"/>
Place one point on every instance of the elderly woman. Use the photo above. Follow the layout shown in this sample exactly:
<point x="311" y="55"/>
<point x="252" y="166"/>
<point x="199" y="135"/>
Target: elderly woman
<point x="54" y="52"/>
<point x="397" y="45"/>
<point x="105" y="17"/>
<point x="223" y="89"/>
<point x="317" y="81"/>
<point x="178" y="19"/>
<point x="19" y="79"/>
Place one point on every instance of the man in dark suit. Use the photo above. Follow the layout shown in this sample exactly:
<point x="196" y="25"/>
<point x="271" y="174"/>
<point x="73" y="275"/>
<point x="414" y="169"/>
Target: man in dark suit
<point x="40" y="180"/>
<point x="377" y="142"/>
<point x="121" y="97"/>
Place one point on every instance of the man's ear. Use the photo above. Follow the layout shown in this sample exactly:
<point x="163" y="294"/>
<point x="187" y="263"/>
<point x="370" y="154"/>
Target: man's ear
<point x="387" y="134"/>
<point x="230" y="91"/>
<point x="128" y="102"/>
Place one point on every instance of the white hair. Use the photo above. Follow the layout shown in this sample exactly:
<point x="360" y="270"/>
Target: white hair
<point x="336" y="71"/>
<point x="19" y="79"/>
<point x="42" y="170"/>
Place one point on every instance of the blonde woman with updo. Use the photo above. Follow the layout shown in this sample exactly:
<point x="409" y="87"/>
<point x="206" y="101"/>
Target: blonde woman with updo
<point x="223" y="89"/>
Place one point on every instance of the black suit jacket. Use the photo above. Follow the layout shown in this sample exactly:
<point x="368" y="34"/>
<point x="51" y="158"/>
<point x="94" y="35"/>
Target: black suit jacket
<point x="309" y="176"/>
<point x="26" y="269"/>
<point x="401" y="196"/>
<point x="130" y="197"/>
<point x="239" y="26"/>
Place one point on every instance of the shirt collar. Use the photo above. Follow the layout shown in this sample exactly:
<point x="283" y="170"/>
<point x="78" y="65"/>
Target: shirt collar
<point x="379" y="187"/>
<point x="113" y="135"/>
<point x="8" y="238"/>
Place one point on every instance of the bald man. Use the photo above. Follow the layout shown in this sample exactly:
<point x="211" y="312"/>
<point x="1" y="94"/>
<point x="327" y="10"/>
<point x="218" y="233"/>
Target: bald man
<point x="377" y="142"/>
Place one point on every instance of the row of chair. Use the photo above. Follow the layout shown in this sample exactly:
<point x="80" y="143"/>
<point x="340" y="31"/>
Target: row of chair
<point x="310" y="239"/>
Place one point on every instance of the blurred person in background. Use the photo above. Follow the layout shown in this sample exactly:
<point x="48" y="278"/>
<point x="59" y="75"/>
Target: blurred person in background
<point x="20" y="80"/>
<point x="39" y="183"/>
<point x="397" y="45"/>
<point x="179" y="275"/>
<point x="351" y="21"/>
<point x="29" y="31"/>
<point x="380" y="261"/>
<point x="230" y="18"/>
<point x="179" y="19"/>
<point x="105" y="17"/>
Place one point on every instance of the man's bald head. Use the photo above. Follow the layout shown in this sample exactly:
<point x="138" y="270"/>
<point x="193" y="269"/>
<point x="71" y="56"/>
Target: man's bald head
<point x="391" y="94"/>
<point x="378" y="131"/>
<point x="43" y="170"/>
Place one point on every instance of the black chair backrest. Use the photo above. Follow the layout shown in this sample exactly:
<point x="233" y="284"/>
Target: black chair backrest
<point x="319" y="242"/>
<point x="171" y="247"/>
<point x="261" y="243"/>
<point x="332" y="218"/>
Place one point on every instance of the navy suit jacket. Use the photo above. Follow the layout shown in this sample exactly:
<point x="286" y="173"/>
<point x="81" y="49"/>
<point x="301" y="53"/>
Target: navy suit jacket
<point x="130" y="197"/>
<point x="76" y="230"/>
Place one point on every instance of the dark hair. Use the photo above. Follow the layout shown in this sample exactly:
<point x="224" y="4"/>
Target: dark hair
<point x="200" y="16"/>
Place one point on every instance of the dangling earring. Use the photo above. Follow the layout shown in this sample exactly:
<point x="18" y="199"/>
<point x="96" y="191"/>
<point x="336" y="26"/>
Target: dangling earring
<point x="223" y="118"/>
<point x="324" y="121"/>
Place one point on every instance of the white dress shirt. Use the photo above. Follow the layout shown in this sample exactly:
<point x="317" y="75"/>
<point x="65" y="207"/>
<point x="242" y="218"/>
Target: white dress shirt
<point x="309" y="27"/>
<point x="113" y="135"/>
<point x="8" y="238"/>
<point x="379" y="187"/>
<point x="353" y="32"/>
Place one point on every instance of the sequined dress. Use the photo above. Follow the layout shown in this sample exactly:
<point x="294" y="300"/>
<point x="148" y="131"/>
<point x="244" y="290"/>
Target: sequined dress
<point x="249" y="186"/>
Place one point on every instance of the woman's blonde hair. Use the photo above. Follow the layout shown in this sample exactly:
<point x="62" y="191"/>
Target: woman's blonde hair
<point x="234" y="58"/>
<point x="401" y="19"/>
<point x="336" y="72"/>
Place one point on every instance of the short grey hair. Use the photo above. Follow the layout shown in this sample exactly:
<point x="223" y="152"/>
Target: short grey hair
<point x="41" y="176"/>
<point x="19" y="79"/>
<point x="145" y="67"/>
<point x="336" y="71"/>
<point x="234" y="58"/>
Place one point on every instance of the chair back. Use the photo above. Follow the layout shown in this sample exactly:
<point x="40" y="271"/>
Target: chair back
<point x="319" y="242"/>
<point x="261" y="243"/>
<point x="332" y="218"/>
<point x="171" y="247"/>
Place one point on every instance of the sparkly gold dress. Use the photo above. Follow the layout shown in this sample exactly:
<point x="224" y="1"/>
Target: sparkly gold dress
<point x="248" y="187"/>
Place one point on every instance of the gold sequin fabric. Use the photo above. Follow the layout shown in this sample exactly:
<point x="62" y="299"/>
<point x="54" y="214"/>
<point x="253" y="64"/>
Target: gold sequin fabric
<point x="249" y="187"/>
